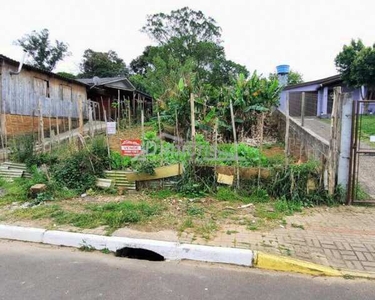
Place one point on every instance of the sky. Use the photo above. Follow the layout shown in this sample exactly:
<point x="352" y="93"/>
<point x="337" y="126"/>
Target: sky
<point x="260" y="34"/>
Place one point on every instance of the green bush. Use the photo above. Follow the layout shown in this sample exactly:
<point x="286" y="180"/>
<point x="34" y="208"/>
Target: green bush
<point x="291" y="183"/>
<point x="145" y="165"/>
<point x="75" y="172"/>
<point x="98" y="154"/>
<point x="79" y="170"/>
<point x="39" y="159"/>
<point x="287" y="207"/>
<point x="119" y="162"/>
<point x="22" y="148"/>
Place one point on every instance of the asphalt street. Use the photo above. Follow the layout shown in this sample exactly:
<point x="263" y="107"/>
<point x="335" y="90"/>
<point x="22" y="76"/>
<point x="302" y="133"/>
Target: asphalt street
<point x="33" y="271"/>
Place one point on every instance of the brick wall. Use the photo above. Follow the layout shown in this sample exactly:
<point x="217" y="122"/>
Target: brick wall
<point x="17" y="125"/>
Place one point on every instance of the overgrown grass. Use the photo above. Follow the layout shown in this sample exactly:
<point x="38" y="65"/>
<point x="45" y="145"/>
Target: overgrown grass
<point x="113" y="215"/>
<point x="162" y="194"/>
<point x="16" y="191"/>
<point x="360" y="193"/>
<point x="230" y="195"/>
<point x="367" y="127"/>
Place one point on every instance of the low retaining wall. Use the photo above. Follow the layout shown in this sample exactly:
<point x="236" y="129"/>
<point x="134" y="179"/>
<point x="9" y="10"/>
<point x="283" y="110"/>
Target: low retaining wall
<point x="304" y="143"/>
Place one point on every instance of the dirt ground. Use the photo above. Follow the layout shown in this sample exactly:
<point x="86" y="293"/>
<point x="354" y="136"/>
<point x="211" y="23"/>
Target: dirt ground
<point x="128" y="133"/>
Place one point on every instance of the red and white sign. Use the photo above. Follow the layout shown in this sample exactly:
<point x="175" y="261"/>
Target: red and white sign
<point x="131" y="147"/>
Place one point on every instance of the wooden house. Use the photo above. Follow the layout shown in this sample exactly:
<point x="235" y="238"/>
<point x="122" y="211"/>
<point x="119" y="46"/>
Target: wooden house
<point x="29" y="94"/>
<point x="117" y="96"/>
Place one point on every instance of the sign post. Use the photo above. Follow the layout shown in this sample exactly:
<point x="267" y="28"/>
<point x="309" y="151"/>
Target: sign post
<point x="111" y="127"/>
<point x="131" y="147"/>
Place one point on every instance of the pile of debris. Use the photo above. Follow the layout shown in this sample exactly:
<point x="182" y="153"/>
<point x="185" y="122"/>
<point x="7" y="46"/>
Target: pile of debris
<point x="10" y="170"/>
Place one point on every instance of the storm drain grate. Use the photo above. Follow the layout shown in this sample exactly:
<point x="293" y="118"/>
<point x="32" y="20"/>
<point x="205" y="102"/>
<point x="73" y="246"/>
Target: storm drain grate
<point x="139" y="253"/>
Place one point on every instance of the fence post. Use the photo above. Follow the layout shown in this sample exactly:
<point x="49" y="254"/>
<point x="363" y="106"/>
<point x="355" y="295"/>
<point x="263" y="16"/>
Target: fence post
<point x="345" y="141"/>
<point x="142" y="123"/>
<point x="287" y="125"/>
<point x="303" y="109"/>
<point x="192" y="120"/>
<point x="41" y="124"/>
<point x="70" y="122"/>
<point x="91" y="126"/>
<point x="80" y="113"/>
<point x="235" y="145"/>
<point x="118" y="110"/>
<point x="334" y="140"/>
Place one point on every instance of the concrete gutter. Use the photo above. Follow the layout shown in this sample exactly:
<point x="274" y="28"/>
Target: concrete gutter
<point x="176" y="251"/>
<point x="169" y="250"/>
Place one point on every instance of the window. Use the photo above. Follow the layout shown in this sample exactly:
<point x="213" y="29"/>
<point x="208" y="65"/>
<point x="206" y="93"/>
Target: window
<point x="41" y="87"/>
<point x="65" y="92"/>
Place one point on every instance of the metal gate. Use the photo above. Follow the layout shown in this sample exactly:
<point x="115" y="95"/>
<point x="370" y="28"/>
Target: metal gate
<point x="361" y="187"/>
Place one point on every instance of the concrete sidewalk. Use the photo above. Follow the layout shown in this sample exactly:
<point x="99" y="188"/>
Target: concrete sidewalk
<point x="340" y="237"/>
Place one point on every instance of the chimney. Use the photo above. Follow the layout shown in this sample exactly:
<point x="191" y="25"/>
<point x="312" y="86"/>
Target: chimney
<point x="282" y="74"/>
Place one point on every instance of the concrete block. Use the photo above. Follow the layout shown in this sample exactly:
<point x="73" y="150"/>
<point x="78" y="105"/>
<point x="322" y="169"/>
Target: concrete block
<point x="26" y="234"/>
<point x="77" y="240"/>
<point x="233" y="256"/>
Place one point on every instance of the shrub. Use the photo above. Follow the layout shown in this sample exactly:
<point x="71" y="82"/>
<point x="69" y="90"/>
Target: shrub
<point x="75" y="172"/>
<point x="145" y="165"/>
<point x="119" y="162"/>
<point x="98" y="154"/>
<point x="291" y="183"/>
<point x="22" y="148"/>
<point x="39" y="159"/>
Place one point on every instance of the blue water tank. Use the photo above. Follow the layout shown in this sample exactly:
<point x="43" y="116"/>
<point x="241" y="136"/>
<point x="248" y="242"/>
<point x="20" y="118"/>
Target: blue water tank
<point x="283" y="69"/>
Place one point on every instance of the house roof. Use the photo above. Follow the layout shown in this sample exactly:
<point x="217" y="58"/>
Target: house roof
<point x="36" y="69"/>
<point x="322" y="82"/>
<point x="121" y="83"/>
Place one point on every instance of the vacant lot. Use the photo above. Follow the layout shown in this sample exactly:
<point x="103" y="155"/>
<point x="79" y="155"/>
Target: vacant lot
<point x="152" y="211"/>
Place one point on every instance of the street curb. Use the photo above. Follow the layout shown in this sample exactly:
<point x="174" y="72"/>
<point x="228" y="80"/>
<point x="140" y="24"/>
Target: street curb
<point x="177" y="251"/>
<point x="288" y="264"/>
<point x="169" y="250"/>
<point x="25" y="234"/>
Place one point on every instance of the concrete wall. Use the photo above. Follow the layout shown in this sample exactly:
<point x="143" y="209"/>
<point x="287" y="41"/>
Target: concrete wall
<point x="304" y="144"/>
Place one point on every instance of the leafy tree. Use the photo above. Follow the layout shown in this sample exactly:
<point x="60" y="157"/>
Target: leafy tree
<point x="185" y="23"/>
<point x="102" y="64"/>
<point x="140" y="64"/>
<point x="44" y="54"/>
<point x="294" y="77"/>
<point x="67" y="75"/>
<point x="249" y="97"/>
<point x="356" y="64"/>
<point x="184" y="36"/>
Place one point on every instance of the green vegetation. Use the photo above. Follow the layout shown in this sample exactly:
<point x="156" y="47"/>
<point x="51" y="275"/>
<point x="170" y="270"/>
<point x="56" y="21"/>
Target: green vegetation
<point x="102" y="64"/>
<point x="367" y="127"/>
<point x="360" y="193"/>
<point x="187" y="65"/>
<point x="44" y="55"/>
<point x="356" y="64"/>
<point x="113" y="215"/>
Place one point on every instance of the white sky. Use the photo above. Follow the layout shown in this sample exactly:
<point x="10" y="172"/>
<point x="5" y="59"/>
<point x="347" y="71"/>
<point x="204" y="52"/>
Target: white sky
<point x="307" y="34"/>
